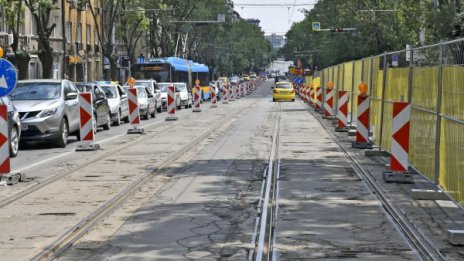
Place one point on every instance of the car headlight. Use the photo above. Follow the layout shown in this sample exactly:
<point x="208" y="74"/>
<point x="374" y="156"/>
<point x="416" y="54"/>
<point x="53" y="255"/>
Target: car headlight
<point x="46" y="113"/>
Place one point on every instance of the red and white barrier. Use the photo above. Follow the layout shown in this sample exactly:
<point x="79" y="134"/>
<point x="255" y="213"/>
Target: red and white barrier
<point x="196" y="98"/>
<point x="4" y="142"/>
<point x="362" y="124"/>
<point x="86" y="123"/>
<point x="171" y="103"/>
<point x="318" y="98"/>
<point x="231" y="93"/>
<point x="213" y="97"/>
<point x="342" y="114"/>
<point x="400" y="135"/>
<point x="328" y="104"/>
<point x="399" y="162"/>
<point x="225" y="95"/>
<point x="239" y="91"/>
<point x="134" y="113"/>
<point x="311" y="97"/>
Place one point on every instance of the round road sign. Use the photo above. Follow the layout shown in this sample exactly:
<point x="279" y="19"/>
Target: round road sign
<point x="8" y="77"/>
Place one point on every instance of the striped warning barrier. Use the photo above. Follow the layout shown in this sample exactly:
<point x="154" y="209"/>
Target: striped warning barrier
<point x="171" y="103"/>
<point x="196" y="97"/>
<point x="318" y="98"/>
<point x="213" y="97"/>
<point x="328" y="104"/>
<point x="5" y="176"/>
<point x="231" y="93"/>
<point x="311" y="96"/>
<point x="342" y="114"/>
<point x="134" y="113"/>
<point x="362" y="124"/>
<point x="399" y="163"/>
<point x="4" y="142"/>
<point x="86" y="123"/>
<point x="225" y="95"/>
<point x="237" y="91"/>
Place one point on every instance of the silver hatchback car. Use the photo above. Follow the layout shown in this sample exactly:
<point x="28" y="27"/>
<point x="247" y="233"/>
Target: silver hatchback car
<point x="48" y="109"/>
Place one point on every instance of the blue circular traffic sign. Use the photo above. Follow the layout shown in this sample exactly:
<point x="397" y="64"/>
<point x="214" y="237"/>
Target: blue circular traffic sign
<point x="8" y="77"/>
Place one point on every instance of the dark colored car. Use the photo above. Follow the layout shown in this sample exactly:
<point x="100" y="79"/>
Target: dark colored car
<point x="101" y="107"/>
<point x="14" y="125"/>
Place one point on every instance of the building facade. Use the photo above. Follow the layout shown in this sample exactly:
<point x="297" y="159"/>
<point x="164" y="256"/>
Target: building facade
<point x="277" y="41"/>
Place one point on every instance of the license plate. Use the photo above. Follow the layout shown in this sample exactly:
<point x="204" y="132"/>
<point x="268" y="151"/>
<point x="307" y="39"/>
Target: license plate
<point x="24" y="127"/>
<point x="284" y="92"/>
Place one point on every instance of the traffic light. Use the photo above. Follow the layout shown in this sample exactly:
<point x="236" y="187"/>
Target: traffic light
<point x="337" y="30"/>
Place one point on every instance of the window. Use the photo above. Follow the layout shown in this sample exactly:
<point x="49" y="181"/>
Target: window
<point x="88" y="33"/>
<point x="68" y="31"/>
<point x="79" y="32"/>
<point x="57" y="30"/>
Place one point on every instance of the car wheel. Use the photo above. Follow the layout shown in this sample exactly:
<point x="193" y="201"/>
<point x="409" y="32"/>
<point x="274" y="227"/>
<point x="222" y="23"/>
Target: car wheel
<point x="126" y="119"/>
<point x="14" y="141"/>
<point x="153" y="115"/>
<point x="293" y="100"/>
<point x="159" y="109"/>
<point x="64" y="132"/>
<point x="117" y="122"/>
<point x="107" y="125"/>
<point x="273" y="100"/>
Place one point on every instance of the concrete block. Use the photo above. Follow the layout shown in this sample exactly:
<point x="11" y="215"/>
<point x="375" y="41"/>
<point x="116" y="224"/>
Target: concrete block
<point x="10" y="178"/>
<point x="171" y="118"/>
<point x="86" y="146"/>
<point x="362" y="145"/>
<point x="456" y="237"/>
<point x="135" y="130"/>
<point x="428" y="194"/>
<point x="376" y="152"/>
<point x="396" y="177"/>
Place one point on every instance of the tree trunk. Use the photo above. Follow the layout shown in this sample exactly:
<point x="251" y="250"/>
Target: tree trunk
<point x="21" y="60"/>
<point x="113" y="69"/>
<point x="47" y="64"/>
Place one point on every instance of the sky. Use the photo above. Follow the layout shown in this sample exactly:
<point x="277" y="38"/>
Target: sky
<point x="276" y="16"/>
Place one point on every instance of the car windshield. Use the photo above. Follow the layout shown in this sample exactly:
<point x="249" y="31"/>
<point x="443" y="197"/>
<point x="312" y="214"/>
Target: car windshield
<point x="163" y="87"/>
<point x="181" y="87"/>
<point x="37" y="91"/>
<point x="110" y="91"/>
<point x="234" y="79"/>
<point x="140" y="91"/>
<point x="143" y="83"/>
<point x="284" y="86"/>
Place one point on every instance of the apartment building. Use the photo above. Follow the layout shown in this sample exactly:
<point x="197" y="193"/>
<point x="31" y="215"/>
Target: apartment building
<point x="79" y="59"/>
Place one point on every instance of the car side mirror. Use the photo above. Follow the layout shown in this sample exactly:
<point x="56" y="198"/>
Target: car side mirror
<point x="124" y="96"/>
<point x="150" y="95"/>
<point x="71" y="96"/>
<point x="157" y="91"/>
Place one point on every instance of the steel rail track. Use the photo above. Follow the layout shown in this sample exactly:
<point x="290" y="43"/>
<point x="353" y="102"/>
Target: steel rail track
<point x="59" y="246"/>
<point x="264" y="248"/>
<point x="418" y="241"/>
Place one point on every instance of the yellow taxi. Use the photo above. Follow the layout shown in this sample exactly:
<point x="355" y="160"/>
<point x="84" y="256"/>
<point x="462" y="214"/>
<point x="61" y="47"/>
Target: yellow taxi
<point x="246" y="77"/>
<point x="283" y="91"/>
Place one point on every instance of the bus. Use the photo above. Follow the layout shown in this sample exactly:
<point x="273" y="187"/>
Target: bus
<point x="174" y="69"/>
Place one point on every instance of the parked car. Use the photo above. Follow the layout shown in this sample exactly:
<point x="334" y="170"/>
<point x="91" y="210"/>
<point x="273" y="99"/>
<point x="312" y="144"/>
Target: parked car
<point x="146" y="101"/>
<point x="48" y="109"/>
<point x="152" y="86"/>
<point x="234" y="80"/>
<point x="163" y="86"/>
<point x="117" y="100"/>
<point x="14" y="125"/>
<point x="185" y="95"/>
<point x="223" y="79"/>
<point x="246" y="77"/>
<point x="253" y="75"/>
<point x="101" y="106"/>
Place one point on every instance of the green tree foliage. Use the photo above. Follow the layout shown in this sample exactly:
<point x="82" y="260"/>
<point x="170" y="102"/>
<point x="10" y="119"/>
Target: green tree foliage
<point x="378" y="30"/>
<point x="12" y="12"/>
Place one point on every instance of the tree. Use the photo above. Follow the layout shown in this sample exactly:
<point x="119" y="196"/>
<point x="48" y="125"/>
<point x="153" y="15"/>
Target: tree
<point x="13" y="16"/>
<point x="41" y="10"/>
<point x="133" y="24"/>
